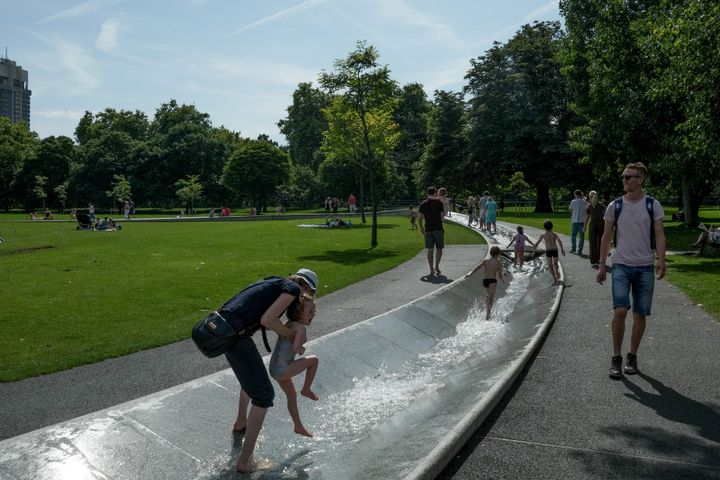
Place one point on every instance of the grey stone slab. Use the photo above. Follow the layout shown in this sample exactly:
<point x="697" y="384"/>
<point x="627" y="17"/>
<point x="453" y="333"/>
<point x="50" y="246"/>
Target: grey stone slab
<point x="506" y="458"/>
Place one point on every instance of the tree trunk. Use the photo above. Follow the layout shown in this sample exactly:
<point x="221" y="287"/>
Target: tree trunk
<point x="362" y="199"/>
<point x="691" y="203"/>
<point x="373" y="234"/>
<point x="542" y="202"/>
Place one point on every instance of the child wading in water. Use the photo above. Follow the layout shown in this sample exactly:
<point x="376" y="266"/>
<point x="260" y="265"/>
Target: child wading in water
<point x="493" y="273"/>
<point x="283" y="366"/>
<point x="519" y="240"/>
<point x="551" y="248"/>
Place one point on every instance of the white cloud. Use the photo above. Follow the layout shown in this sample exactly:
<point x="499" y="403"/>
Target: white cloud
<point x="281" y="14"/>
<point x="79" y="10"/>
<point x="400" y="14"/>
<point x="63" y="114"/>
<point x="259" y="71"/>
<point x="80" y="66"/>
<point x="551" y="7"/>
<point x="107" y="41"/>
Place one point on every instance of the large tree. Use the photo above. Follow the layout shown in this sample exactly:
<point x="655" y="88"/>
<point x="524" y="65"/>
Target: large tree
<point x="366" y="92"/>
<point x="254" y="171"/>
<point x="519" y="116"/>
<point x="304" y="125"/>
<point x="17" y="145"/>
<point x="184" y="143"/>
<point x="54" y="159"/>
<point x="442" y="159"/>
<point x="411" y="115"/>
<point x="643" y="77"/>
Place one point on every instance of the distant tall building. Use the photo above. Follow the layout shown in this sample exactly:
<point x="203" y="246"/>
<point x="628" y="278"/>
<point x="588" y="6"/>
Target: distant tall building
<point x="14" y="93"/>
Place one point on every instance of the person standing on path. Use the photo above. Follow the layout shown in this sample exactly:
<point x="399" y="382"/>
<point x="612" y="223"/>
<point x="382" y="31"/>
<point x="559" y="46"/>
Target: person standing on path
<point x="577" y="213"/>
<point x="594" y="219"/>
<point x="431" y="212"/>
<point x="638" y="221"/>
<point x="352" y="203"/>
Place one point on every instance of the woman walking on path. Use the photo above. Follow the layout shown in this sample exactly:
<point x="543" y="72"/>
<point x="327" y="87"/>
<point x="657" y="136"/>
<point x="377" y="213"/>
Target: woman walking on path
<point x="595" y="213"/>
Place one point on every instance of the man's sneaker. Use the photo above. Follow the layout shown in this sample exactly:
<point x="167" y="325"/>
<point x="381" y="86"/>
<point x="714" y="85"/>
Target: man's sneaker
<point x="616" y="367"/>
<point x="631" y="364"/>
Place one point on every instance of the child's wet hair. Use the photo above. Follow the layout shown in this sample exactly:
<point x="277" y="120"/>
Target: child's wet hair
<point x="520" y="228"/>
<point x="298" y="306"/>
<point x="548" y="225"/>
<point x="494" y="251"/>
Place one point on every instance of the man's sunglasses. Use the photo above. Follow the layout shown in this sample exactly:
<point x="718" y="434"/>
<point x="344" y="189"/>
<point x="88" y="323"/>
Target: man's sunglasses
<point x="628" y="177"/>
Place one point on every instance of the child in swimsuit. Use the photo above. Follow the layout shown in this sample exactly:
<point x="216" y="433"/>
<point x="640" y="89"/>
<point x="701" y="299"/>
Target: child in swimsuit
<point x="519" y="240"/>
<point x="284" y="366"/>
<point x="551" y="248"/>
<point x="493" y="273"/>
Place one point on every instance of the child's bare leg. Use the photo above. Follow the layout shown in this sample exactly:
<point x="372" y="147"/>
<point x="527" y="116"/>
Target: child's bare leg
<point x="289" y="389"/>
<point x="296" y="367"/>
<point x="241" y="421"/>
<point x="309" y="377"/>
<point x="489" y="299"/>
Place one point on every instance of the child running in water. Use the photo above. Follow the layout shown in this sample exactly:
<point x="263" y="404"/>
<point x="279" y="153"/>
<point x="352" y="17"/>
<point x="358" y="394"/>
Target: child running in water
<point x="283" y="366"/>
<point x="551" y="248"/>
<point x="519" y="240"/>
<point x="493" y="273"/>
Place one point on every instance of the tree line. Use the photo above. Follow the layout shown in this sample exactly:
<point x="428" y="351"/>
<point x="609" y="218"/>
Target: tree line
<point x="550" y="110"/>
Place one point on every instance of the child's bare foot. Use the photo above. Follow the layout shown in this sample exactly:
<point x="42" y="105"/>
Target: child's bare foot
<point x="301" y="431"/>
<point x="309" y="394"/>
<point x="239" y="426"/>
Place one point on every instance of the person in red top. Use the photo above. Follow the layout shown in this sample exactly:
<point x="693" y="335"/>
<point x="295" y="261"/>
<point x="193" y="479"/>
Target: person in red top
<point x="431" y="212"/>
<point x="352" y="202"/>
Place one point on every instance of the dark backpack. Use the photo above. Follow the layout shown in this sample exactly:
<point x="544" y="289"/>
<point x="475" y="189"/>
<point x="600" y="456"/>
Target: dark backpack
<point x="649" y="206"/>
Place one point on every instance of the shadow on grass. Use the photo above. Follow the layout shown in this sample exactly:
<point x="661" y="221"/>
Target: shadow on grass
<point x="351" y="257"/>
<point x="696" y="265"/>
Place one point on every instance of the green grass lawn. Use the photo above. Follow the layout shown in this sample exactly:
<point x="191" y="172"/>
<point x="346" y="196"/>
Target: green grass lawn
<point x="696" y="276"/>
<point x="74" y="297"/>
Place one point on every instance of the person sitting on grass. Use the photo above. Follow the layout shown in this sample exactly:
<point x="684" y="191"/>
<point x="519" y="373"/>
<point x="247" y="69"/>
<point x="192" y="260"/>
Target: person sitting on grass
<point x="709" y="236"/>
<point x="284" y="366"/>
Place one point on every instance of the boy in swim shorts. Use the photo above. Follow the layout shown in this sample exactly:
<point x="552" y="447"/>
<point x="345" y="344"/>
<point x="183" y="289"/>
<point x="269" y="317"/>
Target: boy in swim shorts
<point x="284" y="366"/>
<point x="551" y="248"/>
<point x="493" y="272"/>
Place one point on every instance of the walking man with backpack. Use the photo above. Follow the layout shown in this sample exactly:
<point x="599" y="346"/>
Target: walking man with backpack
<point x="636" y="220"/>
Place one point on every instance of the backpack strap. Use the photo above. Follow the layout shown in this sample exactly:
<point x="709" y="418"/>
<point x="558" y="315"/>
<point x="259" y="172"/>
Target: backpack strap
<point x="650" y="207"/>
<point x="618" y="209"/>
<point x="265" y="340"/>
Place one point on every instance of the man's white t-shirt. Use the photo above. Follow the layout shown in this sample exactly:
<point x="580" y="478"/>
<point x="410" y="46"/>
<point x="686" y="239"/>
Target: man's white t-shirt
<point x="578" y="207"/>
<point x="633" y="232"/>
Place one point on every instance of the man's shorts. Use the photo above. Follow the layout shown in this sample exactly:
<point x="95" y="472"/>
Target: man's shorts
<point x="551" y="253"/>
<point x="250" y="371"/>
<point x="436" y="239"/>
<point x="638" y="280"/>
<point x="488" y="281"/>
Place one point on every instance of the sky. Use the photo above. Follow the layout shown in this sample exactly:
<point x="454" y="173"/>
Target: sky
<point x="239" y="61"/>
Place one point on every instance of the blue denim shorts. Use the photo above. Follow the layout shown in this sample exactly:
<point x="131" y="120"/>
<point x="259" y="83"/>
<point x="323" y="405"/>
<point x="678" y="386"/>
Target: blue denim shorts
<point x="250" y="371"/>
<point x="639" y="280"/>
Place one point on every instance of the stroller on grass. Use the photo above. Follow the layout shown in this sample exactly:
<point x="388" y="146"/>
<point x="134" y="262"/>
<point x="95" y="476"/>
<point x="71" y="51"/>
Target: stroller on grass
<point x="84" y="222"/>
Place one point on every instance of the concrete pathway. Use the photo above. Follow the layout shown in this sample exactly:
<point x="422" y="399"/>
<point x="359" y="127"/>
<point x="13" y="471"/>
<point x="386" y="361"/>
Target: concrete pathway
<point x="566" y="419"/>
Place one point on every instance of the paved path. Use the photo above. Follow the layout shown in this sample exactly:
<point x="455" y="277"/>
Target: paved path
<point x="566" y="419"/>
<point x="42" y="401"/>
